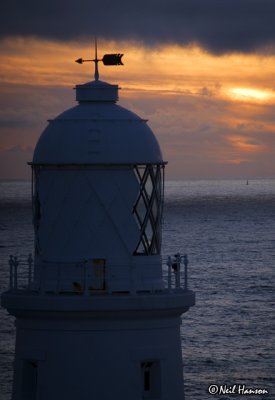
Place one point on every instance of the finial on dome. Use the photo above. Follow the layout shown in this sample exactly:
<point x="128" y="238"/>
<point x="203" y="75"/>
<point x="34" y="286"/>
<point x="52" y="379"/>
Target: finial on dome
<point x="108" y="59"/>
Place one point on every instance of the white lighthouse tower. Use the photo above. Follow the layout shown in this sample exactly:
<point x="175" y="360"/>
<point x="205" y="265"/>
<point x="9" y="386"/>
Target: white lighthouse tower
<point x="97" y="320"/>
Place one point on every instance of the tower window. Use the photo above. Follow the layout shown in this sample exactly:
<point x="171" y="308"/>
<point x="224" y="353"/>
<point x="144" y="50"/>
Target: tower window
<point x="148" y="208"/>
<point x="147" y="377"/>
<point x="150" y="379"/>
<point x="30" y="375"/>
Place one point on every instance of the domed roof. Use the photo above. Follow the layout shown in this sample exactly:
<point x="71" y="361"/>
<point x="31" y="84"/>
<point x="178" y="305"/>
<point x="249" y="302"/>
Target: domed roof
<point x="97" y="131"/>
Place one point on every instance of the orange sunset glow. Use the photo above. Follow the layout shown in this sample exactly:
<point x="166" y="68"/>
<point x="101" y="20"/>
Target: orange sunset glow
<point x="212" y="114"/>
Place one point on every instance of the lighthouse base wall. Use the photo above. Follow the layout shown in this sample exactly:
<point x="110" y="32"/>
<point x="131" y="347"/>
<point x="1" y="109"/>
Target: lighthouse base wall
<point x="101" y="359"/>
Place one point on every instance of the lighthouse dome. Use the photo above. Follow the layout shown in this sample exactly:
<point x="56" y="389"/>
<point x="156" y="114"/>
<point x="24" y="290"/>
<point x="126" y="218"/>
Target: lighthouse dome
<point x="97" y="131"/>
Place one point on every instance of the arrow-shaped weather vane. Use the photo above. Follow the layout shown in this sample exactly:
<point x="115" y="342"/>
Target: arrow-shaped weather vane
<point x="108" y="59"/>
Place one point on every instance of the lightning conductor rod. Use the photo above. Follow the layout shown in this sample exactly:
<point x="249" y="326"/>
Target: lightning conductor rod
<point x="96" y="62"/>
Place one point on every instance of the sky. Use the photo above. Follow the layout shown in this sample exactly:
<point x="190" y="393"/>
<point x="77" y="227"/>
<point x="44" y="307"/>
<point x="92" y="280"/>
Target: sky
<point x="201" y="71"/>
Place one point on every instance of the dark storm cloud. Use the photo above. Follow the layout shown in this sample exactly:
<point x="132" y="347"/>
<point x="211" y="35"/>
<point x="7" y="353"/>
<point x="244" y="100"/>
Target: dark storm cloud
<point x="218" y="25"/>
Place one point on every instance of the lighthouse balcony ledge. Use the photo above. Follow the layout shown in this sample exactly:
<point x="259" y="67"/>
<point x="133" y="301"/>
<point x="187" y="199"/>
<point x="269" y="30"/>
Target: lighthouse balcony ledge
<point x="27" y="304"/>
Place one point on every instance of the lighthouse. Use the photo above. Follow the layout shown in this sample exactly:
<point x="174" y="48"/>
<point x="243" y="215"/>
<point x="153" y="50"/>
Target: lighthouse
<point x="99" y="316"/>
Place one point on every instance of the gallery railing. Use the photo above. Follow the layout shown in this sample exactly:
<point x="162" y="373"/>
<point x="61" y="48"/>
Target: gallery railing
<point x="21" y="278"/>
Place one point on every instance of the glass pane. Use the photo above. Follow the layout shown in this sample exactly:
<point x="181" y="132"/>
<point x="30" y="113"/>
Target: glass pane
<point x="149" y="186"/>
<point x="148" y="208"/>
<point x="155" y="209"/>
<point x="149" y="231"/>
<point x="141" y="209"/>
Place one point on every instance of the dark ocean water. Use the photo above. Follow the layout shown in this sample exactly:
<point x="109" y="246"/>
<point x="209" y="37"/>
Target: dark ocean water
<point x="227" y="228"/>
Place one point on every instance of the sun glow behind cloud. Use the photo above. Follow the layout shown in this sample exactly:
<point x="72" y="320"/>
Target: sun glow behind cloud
<point x="207" y="111"/>
<point x="251" y="94"/>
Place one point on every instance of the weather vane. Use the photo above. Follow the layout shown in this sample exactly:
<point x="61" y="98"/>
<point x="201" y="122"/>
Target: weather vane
<point x="108" y="59"/>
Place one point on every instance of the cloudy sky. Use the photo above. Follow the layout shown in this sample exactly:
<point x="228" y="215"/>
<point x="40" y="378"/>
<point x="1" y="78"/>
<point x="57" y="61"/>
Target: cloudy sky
<point x="201" y="71"/>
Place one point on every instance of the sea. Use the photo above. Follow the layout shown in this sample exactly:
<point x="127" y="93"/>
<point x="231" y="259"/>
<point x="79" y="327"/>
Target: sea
<point x="227" y="229"/>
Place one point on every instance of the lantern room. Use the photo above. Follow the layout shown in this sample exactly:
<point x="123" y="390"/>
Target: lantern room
<point x="97" y="196"/>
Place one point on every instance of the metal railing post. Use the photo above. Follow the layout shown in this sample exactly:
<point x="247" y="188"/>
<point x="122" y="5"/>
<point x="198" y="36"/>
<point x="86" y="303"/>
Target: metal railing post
<point x="30" y="261"/>
<point x="15" y="264"/>
<point x="178" y="270"/>
<point x="169" y="264"/>
<point x="185" y="261"/>
<point x="11" y="272"/>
